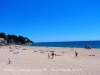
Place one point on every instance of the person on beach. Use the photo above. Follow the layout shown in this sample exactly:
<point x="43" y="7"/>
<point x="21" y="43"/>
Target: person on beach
<point x="9" y="47"/>
<point x="52" y="55"/>
<point x="76" y="54"/>
<point x="48" y="56"/>
<point x="9" y="60"/>
<point x="89" y="47"/>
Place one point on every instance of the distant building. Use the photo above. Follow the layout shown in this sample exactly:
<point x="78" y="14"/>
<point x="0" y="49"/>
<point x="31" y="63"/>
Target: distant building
<point x="2" y="41"/>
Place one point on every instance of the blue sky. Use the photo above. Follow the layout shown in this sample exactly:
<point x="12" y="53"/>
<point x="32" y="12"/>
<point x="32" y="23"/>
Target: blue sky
<point x="51" y="20"/>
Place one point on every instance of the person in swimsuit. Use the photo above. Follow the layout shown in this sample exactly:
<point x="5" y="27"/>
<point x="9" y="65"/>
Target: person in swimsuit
<point x="76" y="54"/>
<point x="52" y="55"/>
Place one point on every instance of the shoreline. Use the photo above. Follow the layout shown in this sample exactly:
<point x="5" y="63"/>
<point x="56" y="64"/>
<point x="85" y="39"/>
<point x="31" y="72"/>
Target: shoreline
<point x="57" y="47"/>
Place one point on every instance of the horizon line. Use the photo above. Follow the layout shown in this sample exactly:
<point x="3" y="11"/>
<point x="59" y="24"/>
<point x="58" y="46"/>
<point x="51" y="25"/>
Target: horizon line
<point x="68" y="41"/>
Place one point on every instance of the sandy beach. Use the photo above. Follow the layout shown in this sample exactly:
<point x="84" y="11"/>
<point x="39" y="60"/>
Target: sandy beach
<point x="31" y="61"/>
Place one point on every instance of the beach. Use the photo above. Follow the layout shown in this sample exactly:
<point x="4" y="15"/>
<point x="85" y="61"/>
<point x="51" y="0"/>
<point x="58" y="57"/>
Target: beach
<point x="28" y="60"/>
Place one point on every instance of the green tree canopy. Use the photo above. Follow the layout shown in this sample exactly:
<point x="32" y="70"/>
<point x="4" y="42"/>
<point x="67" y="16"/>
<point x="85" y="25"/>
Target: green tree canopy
<point x="15" y="39"/>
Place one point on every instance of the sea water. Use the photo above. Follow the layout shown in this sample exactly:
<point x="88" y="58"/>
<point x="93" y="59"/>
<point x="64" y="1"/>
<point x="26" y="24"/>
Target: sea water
<point x="77" y="44"/>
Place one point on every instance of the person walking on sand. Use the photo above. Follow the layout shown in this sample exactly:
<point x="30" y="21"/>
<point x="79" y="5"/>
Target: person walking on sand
<point x="9" y="60"/>
<point x="48" y="56"/>
<point x="76" y="54"/>
<point x="52" y="55"/>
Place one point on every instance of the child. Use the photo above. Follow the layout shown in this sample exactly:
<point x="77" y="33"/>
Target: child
<point x="9" y="61"/>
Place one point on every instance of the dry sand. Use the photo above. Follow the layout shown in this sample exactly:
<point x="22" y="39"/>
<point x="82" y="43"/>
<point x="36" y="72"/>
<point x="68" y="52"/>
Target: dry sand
<point x="28" y="62"/>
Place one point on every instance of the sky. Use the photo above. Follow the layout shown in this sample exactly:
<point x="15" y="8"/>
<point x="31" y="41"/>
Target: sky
<point x="51" y="20"/>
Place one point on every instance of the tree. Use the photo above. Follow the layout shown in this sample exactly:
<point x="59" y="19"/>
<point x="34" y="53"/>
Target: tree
<point x="15" y="39"/>
<point x="2" y="35"/>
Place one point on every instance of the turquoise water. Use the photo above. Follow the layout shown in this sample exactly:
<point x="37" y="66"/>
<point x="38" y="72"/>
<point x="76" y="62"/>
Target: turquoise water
<point x="77" y="44"/>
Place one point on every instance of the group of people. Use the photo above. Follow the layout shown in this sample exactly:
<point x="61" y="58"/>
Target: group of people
<point x="88" y="47"/>
<point x="51" y="55"/>
<point x="76" y="55"/>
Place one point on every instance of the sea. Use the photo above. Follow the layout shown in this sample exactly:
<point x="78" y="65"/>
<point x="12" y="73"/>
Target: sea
<point x="75" y="44"/>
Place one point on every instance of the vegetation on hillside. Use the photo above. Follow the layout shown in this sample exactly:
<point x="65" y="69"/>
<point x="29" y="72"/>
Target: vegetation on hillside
<point x="15" y="39"/>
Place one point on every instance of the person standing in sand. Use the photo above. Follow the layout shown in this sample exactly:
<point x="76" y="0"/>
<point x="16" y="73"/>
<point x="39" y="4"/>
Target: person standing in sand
<point x="76" y="54"/>
<point x="48" y="56"/>
<point x="9" y="60"/>
<point x="52" y="55"/>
